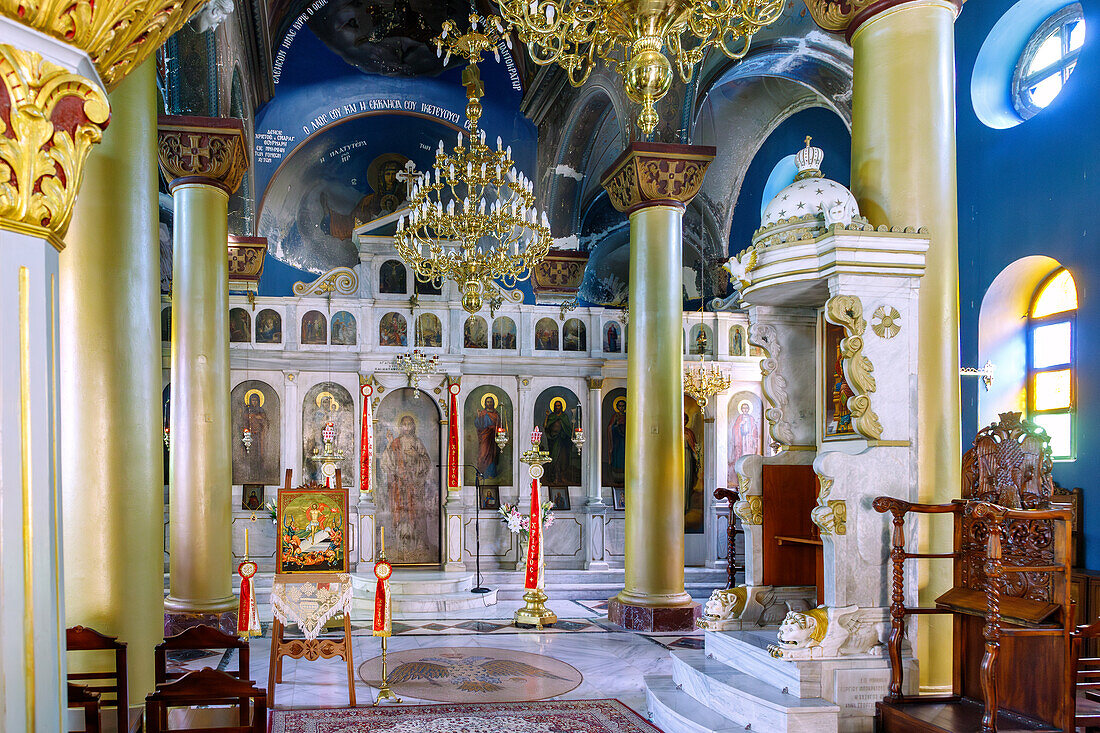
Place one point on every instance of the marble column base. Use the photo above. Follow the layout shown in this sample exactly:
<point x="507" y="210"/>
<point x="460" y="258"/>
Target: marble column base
<point x="653" y="618"/>
<point x="177" y="621"/>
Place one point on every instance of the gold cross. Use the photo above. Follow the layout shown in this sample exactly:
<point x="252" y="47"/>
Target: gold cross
<point x="196" y="151"/>
<point x="808" y="139"/>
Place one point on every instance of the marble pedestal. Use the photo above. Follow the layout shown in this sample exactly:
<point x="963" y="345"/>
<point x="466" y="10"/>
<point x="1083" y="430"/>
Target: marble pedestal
<point x="651" y="618"/>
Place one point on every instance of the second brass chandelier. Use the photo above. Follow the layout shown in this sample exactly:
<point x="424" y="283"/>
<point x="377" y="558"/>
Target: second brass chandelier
<point x="641" y="39"/>
<point x="472" y="219"/>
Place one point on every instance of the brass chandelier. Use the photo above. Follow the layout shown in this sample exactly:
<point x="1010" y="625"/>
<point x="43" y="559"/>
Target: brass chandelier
<point x="703" y="382"/>
<point x="472" y="219"/>
<point x="641" y="39"/>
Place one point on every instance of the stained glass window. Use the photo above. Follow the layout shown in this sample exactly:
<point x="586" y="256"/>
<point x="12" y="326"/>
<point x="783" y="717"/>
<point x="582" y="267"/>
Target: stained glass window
<point x="1051" y="383"/>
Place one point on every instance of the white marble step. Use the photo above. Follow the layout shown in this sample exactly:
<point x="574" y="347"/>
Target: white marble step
<point x="362" y="606"/>
<point x="674" y="711"/>
<point x="747" y="700"/>
<point x="747" y="652"/>
<point x="590" y="585"/>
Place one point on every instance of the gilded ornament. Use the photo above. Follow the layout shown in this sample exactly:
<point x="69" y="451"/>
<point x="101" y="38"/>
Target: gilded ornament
<point x="246" y="260"/>
<point x="338" y="280"/>
<point x="210" y="150"/>
<point x="830" y="515"/>
<point x="642" y="41"/>
<point x="847" y="311"/>
<point x="54" y="117"/>
<point x="647" y="174"/>
<point x="116" y="34"/>
<point x="750" y="510"/>
<point x="886" y="322"/>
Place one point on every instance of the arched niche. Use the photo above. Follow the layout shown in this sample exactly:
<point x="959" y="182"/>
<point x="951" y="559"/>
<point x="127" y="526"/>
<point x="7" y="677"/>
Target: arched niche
<point x="393" y="330"/>
<point x="240" y="326"/>
<point x="429" y="331"/>
<point x="1002" y="334"/>
<point x="488" y="408"/>
<point x="558" y="413"/>
<point x="269" y="327"/>
<point x="504" y="333"/>
<point x="342" y="329"/>
<point x="546" y="335"/>
<point x="314" y="328"/>
<point x="329" y="402"/>
<point x="574" y="335"/>
<point x="255" y="407"/>
<point x="409" y="479"/>
<point x="393" y="278"/>
<point x="612" y="339"/>
<point x="475" y="333"/>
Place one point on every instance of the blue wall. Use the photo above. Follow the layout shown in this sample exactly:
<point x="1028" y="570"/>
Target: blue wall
<point x="1030" y="189"/>
<point x="829" y="133"/>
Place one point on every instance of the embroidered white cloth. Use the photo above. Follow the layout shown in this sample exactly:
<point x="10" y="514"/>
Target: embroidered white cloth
<point x="311" y="605"/>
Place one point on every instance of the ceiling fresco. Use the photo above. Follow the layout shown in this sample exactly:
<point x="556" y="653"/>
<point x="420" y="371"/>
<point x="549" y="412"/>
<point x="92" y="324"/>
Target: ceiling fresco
<point x="330" y="144"/>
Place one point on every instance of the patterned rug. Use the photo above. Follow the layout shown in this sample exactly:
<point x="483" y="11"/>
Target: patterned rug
<point x="473" y="674"/>
<point x="551" y="716"/>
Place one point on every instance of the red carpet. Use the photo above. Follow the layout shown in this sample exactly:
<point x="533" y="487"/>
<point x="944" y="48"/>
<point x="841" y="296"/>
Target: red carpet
<point x="549" y="716"/>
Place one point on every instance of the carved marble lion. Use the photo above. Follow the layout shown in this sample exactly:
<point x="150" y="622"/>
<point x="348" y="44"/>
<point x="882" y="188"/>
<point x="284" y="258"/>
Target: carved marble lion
<point x="815" y="634"/>
<point x="723" y="606"/>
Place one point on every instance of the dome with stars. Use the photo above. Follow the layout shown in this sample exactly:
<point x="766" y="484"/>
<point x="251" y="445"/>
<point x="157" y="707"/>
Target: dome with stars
<point x="811" y="204"/>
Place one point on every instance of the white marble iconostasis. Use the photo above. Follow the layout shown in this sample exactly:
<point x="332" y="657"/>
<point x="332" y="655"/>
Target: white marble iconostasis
<point x="587" y="535"/>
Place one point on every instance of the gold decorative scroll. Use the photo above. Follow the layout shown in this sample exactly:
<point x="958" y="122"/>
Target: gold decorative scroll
<point x="339" y="280"/>
<point x="53" y="119"/>
<point x="116" y="34"/>
<point x="847" y="311"/>
<point x="207" y="149"/>
<point x="649" y="174"/>
<point x="830" y="515"/>
<point x="750" y="510"/>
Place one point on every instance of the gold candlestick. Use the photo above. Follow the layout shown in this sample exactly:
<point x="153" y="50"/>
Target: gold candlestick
<point x="382" y="571"/>
<point x="534" y="611"/>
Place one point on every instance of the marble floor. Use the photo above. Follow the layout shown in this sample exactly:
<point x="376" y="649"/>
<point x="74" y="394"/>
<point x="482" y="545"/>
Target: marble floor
<point x="612" y="662"/>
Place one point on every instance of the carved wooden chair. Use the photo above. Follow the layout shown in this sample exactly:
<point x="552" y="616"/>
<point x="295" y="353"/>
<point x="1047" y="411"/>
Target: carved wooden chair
<point x="732" y="496"/>
<point x="199" y="690"/>
<point x="81" y="697"/>
<point x="1010" y="597"/>
<point x="203" y="637"/>
<point x="1086" y="679"/>
<point x="109" y="685"/>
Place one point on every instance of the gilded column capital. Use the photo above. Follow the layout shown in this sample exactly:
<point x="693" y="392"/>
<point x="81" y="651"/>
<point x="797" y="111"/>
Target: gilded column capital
<point x="844" y="16"/>
<point x="209" y="150"/>
<point x="595" y="383"/>
<point x="246" y="261"/>
<point x="116" y="34"/>
<point x="49" y="120"/>
<point x="653" y="174"/>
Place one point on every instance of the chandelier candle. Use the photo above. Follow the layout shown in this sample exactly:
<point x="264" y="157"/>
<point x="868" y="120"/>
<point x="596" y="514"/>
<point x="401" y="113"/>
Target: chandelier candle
<point x="472" y="219"/>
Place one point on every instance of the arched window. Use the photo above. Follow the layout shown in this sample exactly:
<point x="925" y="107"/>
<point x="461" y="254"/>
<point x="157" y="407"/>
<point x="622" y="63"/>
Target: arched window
<point x="504" y="333"/>
<point x="392" y="278"/>
<point x="1048" y="60"/>
<point x="475" y="333"/>
<point x="314" y="328"/>
<point x="1051" y="378"/>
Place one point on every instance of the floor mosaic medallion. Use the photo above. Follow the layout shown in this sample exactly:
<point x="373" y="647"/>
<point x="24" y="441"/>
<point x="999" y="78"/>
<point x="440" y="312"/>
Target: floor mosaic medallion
<point x="473" y="674"/>
<point x="550" y="716"/>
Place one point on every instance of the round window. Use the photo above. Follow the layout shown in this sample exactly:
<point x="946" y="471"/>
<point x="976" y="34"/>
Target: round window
<point x="1048" y="60"/>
